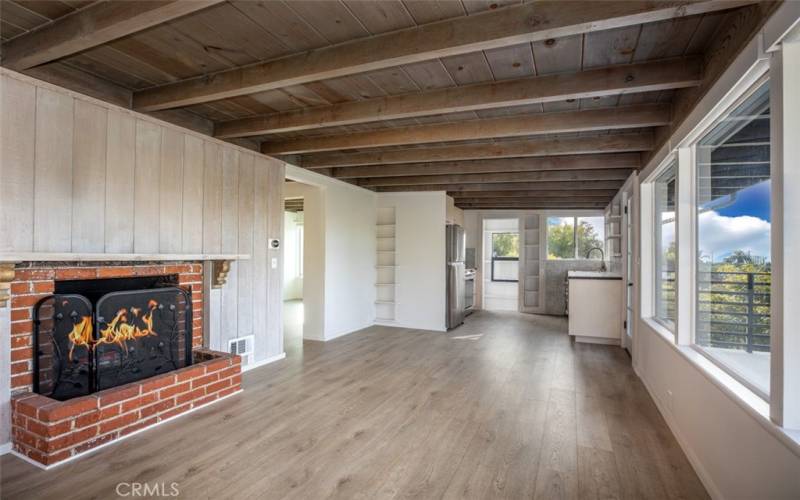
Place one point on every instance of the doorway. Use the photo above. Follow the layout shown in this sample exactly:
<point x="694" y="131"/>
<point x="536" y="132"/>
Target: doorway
<point x="500" y="266"/>
<point x="293" y="250"/>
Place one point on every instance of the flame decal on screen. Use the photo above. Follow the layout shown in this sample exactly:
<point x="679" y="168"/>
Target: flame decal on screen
<point x="128" y="324"/>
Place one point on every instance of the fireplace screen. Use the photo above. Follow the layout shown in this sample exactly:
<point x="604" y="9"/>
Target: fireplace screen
<point x="126" y="336"/>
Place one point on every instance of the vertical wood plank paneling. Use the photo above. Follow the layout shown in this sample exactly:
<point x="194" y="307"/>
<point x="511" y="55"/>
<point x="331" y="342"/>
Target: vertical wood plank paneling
<point x="275" y="181"/>
<point x="245" y="245"/>
<point x="89" y="149"/>
<point x="17" y="135"/>
<point x="259" y="259"/>
<point x="120" y="167"/>
<point x="212" y="199"/>
<point x="230" y="239"/>
<point x="147" y="190"/>
<point x="171" y="191"/>
<point x="192" y="239"/>
<point x="52" y="213"/>
<point x="230" y="207"/>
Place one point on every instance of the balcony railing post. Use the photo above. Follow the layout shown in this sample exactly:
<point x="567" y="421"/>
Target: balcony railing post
<point x="750" y="323"/>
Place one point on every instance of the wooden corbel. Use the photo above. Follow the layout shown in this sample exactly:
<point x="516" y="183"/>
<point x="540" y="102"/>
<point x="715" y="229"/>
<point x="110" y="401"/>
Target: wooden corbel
<point x="6" y="277"/>
<point x="220" y="273"/>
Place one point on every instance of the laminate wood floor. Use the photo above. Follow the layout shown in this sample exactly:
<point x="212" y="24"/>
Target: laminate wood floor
<point x="504" y="406"/>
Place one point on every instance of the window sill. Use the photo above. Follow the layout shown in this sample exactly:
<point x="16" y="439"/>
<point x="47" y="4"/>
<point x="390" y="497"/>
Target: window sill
<point x="740" y="394"/>
<point x="662" y="330"/>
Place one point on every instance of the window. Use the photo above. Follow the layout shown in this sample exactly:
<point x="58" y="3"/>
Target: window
<point x="575" y="237"/>
<point x="732" y="320"/>
<point x="505" y="257"/>
<point x="665" y="253"/>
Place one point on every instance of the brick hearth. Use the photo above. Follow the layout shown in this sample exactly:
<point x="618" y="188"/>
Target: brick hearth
<point x="50" y="431"/>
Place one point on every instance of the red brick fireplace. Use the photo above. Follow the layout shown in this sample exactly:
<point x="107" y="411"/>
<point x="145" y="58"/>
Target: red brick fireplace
<point x="48" y="430"/>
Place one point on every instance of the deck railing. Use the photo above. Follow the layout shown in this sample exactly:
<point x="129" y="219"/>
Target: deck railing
<point x="733" y="308"/>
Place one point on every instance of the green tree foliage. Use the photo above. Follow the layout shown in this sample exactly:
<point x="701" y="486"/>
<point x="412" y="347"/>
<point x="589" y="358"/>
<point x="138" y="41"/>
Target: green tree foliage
<point x="588" y="239"/>
<point x="505" y="244"/>
<point x="561" y="240"/>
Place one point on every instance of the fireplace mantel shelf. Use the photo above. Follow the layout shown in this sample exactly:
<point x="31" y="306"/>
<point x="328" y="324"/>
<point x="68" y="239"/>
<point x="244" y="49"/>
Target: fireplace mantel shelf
<point x="104" y="257"/>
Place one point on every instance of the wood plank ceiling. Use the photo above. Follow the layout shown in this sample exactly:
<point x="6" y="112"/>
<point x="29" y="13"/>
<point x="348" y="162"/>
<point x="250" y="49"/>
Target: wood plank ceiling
<point x="502" y="104"/>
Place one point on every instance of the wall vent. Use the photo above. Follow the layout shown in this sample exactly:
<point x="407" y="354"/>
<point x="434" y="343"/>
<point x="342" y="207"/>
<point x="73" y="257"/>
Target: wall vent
<point x="243" y="346"/>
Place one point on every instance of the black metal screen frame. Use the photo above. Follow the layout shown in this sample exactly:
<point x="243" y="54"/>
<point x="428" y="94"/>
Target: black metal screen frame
<point x="93" y="372"/>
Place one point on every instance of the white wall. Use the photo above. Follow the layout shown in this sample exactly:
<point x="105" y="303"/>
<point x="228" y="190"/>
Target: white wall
<point x="454" y="214"/>
<point x="340" y="254"/>
<point x="420" y="257"/>
<point x="292" y="280"/>
<point x="350" y="258"/>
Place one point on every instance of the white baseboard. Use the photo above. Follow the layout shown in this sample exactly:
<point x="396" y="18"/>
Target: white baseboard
<point x="596" y="340"/>
<point x="145" y="429"/>
<point x="5" y="448"/>
<point x="348" y="332"/>
<point x="263" y="362"/>
<point x="695" y="462"/>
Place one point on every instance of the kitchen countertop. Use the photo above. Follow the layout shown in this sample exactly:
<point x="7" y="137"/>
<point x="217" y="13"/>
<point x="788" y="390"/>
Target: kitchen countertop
<point x="593" y="275"/>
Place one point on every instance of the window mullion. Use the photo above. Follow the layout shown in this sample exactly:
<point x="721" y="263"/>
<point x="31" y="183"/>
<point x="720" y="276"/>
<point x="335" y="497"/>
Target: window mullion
<point x="685" y="245"/>
<point x="575" y="237"/>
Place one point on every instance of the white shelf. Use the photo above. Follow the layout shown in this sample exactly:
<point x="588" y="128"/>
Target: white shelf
<point x="384" y="225"/>
<point x="387" y="302"/>
<point x="385" y="284"/>
<point x="100" y="257"/>
<point x="385" y="267"/>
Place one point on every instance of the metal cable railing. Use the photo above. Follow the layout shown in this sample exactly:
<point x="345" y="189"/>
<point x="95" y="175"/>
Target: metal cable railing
<point x="733" y="308"/>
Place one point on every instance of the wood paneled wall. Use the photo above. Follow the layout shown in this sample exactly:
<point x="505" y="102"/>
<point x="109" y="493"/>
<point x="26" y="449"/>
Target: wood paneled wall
<point x="81" y="176"/>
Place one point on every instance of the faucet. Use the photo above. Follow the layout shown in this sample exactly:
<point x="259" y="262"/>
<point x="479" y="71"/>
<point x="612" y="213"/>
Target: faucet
<point x="603" y="267"/>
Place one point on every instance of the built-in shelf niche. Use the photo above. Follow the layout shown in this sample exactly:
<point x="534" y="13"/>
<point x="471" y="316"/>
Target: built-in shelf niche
<point x="530" y="281"/>
<point x="386" y="268"/>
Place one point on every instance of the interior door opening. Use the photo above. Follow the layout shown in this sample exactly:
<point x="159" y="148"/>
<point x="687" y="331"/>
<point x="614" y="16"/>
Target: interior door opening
<point x="501" y="264"/>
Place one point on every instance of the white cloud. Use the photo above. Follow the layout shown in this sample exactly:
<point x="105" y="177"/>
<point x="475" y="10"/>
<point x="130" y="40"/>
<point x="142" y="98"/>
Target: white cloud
<point x="719" y="235"/>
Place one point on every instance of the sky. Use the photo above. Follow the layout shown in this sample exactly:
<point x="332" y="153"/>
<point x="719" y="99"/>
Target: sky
<point x="743" y="225"/>
<point x="753" y="201"/>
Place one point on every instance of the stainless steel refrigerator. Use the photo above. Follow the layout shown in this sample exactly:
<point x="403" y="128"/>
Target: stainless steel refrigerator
<point x="456" y="241"/>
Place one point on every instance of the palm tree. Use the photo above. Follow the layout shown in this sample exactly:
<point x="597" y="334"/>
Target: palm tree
<point x="739" y="257"/>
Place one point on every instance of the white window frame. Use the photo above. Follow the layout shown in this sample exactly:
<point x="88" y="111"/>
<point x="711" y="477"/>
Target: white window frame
<point x="690" y="153"/>
<point x="575" y="216"/>
<point x="649" y="247"/>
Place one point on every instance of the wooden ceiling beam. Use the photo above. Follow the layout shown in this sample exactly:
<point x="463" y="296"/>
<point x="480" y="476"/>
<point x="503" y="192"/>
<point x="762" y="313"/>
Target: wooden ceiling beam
<point x="638" y="116"/>
<point x="92" y="26"/>
<point x="575" y="162"/>
<point x="627" y="78"/>
<point x="534" y="199"/>
<point x="530" y="206"/>
<point x="531" y="147"/>
<point x="508" y="186"/>
<point x="489" y="30"/>
<point x="596" y="193"/>
<point x="522" y="177"/>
